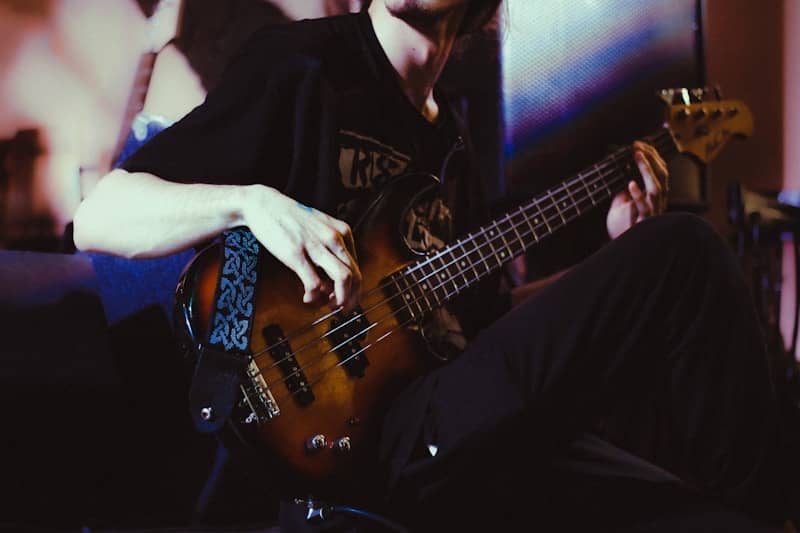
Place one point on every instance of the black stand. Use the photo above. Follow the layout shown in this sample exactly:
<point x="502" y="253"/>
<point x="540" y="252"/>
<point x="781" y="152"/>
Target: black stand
<point x="318" y="511"/>
<point x="763" y="225"/>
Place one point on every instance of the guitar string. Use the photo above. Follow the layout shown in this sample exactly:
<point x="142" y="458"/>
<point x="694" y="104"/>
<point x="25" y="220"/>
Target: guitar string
<point x="322" y="374"/>
<point x="295" y="373"/>
<point x="512" y="228"/>
<point x="385" y="335"/>
<point x="294" y="334"/>
<point x="440" y="254"/>
<point x="411" y="319"/>
<point x="564" y="188"/>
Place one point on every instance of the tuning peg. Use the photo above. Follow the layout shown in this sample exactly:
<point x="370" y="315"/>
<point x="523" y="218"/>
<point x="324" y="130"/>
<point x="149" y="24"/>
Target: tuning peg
<point x="716" y="113"/>
<point x="667" y="96"/>
<point x="682" y="114"/>
<point x="700" y="113"/>
<point x="718" y="92"/>
<point x="697" y="95"/>
<point x="733" y="111"/>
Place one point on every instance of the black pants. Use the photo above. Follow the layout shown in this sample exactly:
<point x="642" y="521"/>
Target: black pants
<point x="636" y="386"/>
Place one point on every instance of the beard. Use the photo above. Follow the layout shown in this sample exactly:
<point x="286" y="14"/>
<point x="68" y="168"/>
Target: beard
<point x="421" y="14"/>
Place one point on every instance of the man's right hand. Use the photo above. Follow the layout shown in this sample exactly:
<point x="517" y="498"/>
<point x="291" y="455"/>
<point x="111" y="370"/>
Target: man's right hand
<point x="141" y="215"/>
<point x="309" y="242"/>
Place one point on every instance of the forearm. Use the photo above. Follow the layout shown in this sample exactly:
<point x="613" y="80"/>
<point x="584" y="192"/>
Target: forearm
<point x="526" y="290"/>
<point x="140" y="215"/>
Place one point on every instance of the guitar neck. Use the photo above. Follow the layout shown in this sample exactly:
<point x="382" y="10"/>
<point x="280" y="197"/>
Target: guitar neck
<point x="430" y="282"/>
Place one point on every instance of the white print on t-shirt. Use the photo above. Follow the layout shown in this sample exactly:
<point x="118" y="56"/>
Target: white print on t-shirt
<point x="428" y="225"/>
<point x="365" y="162"/>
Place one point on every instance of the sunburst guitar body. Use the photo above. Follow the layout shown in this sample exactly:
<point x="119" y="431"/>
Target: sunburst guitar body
<point x="329" y="376"/>
<point x="319" y="381"/>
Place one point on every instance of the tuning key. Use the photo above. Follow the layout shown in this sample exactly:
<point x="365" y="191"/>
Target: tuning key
<point x="342" y="445"/>
<point x="733" y="111"/>
<point x="682" y="114"/>
<point x="700" y="113"/>
<point x="316" y="443"/>
<point x="716" y="113"/>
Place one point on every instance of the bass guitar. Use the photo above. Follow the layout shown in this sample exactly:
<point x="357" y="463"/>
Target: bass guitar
<point x="318" y="381"/>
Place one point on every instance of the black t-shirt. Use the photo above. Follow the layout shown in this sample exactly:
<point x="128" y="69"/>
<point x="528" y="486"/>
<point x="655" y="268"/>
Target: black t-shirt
<point x="311" y="108"/>
<point x="315" y="109"/>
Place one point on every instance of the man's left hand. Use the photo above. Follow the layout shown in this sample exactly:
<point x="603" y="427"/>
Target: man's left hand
<point x="634" y="205"/>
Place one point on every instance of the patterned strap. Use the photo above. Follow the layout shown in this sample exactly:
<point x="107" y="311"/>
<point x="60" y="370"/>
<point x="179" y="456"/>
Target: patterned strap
<point x="226" y="353"/>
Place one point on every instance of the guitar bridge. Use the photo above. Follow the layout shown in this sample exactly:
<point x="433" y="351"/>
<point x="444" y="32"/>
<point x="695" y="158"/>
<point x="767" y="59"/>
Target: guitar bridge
<point x="257" y="395"/>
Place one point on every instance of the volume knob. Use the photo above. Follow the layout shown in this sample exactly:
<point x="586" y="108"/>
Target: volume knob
<point x="342" y="445"/>
<point x="316" y="443"/>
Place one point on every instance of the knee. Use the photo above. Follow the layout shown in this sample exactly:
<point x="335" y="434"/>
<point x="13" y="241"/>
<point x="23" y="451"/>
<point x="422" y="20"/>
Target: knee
<point x="683" y="240"/>
<point x="683" y="231"/>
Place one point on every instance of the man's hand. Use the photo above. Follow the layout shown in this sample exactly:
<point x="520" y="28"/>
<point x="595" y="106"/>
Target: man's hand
<point x="308" y="242"/>
<point x="634" y="205"/>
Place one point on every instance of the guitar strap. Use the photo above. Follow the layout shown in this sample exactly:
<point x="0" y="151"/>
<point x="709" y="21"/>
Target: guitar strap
<point x="226" y="352"/>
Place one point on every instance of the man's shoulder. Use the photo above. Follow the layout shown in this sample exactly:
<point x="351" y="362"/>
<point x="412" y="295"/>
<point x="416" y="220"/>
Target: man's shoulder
<point x="325" y="41"/>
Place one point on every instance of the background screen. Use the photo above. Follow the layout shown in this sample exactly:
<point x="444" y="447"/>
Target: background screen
<point x="580" y="76"/>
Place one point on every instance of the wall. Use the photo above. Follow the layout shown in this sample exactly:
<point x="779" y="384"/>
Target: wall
<point x="66" y="69"/>
<point x="744" y="53"/>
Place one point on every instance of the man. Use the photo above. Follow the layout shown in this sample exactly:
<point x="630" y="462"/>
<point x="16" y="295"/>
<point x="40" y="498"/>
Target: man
<point x="323" y="113"/>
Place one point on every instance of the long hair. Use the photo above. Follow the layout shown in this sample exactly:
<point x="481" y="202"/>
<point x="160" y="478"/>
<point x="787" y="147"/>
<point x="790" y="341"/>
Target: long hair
<point x="479" y="14"/>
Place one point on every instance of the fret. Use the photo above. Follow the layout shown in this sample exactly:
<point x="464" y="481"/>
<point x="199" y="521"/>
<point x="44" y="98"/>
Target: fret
<point x="555" y="203"/>
<point x="407" y="296"/>
<point x="515" y="242"/>
<point x="477" y="250"/>
<point x="420" y="284"/>
<point x="508" y="253"/>
<point x="599" y="180"/>
<point x="414" y="289"/>
<point x="566" y="207"/>
<point x="466" y="259"/>
<point x="453" y="272"/>
<point x="425" y="283"/>
<point x="432" y="282"/>
<point x="534" y="224"/>
<point x="461" y="266"/>
<point x="543" y="216"/>
<point x="485" y="246"/>
<point x="586" y="186"/>
<point x="492" y="235"/>
<point x="522" y="227"/>
<point x="575" y="204"/>
<point x="521" y="212"/>
<point x="443" y="276"/>
<point x="603" y="179"/>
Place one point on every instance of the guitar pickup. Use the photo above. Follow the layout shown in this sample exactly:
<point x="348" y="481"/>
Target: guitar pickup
<point x="282" y="354"/>
<point x="346" y="335"/>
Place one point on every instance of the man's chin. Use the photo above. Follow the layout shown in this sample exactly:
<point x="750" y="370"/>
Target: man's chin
<point x="421" y="14"/>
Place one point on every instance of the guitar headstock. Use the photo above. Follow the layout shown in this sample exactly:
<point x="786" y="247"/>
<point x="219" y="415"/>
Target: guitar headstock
<point x="702" y="122"/>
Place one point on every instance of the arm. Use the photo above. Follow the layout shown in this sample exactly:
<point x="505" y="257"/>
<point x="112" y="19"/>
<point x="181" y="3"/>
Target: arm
<point x="140" y="215"/>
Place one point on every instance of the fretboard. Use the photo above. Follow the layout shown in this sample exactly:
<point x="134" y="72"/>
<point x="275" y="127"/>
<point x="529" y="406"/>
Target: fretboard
<point x="429" y="283"/>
